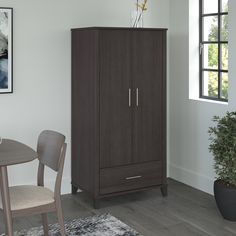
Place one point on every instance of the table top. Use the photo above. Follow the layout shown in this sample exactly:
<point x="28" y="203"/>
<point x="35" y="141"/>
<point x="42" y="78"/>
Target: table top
<point x="13" y="152"/>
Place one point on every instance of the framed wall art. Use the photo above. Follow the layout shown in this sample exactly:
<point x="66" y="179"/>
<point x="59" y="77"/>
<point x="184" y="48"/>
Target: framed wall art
<point x="6" y="61"/>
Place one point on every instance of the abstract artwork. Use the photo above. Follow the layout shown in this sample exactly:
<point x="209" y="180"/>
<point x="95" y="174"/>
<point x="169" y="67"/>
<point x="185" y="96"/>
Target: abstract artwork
<point x="6" y="50"/>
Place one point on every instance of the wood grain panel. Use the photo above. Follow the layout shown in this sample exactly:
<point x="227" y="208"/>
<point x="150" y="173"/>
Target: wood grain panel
<point x="115" y="113"/>
<point x="85" y="105"/>
<point x="147" y="71"/>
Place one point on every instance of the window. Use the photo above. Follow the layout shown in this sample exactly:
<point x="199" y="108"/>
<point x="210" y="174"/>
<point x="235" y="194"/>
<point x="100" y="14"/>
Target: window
<point x="214" y="49"/>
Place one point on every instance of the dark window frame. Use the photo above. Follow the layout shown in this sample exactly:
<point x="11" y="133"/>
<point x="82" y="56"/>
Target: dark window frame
<point x="219" y="14"/>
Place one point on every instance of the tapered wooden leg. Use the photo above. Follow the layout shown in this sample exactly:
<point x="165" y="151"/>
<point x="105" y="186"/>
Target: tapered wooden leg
<point x="60" y="217"/>
<point x="45" y="224"/>
<point x="164" y="190"/>
<point x="6" y="200"/>
<point x="74" y="189"/>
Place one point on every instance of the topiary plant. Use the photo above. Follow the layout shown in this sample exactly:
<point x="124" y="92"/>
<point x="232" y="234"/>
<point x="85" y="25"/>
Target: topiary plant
<point x="223" y="147"/>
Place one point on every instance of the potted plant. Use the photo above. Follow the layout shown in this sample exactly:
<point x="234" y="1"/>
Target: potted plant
<point x="223" y="148"/>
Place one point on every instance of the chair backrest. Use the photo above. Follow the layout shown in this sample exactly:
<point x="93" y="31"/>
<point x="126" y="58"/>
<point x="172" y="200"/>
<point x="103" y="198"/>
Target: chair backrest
<point x="50" y="148"/>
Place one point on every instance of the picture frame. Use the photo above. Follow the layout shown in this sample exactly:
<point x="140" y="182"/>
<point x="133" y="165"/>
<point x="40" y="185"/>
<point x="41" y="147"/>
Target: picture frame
<point x="6" y="50"/>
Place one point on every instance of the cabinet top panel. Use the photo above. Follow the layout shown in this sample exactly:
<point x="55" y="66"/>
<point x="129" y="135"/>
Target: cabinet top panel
<point x="120" y="28"/>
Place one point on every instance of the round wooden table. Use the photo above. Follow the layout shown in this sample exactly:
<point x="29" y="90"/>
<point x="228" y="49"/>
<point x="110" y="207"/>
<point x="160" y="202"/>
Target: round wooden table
<point x="11" y="153"/>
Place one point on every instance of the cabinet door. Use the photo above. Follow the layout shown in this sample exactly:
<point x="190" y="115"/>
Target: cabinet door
<point x="115" y="112"/>
<point x="148" y="73"/>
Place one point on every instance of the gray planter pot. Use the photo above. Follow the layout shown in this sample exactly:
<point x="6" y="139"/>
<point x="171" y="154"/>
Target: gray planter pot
<point x="225" y="197"/>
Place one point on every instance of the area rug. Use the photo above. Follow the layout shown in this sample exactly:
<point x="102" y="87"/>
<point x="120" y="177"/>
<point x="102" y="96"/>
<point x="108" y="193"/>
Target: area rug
<point x="99" y="225"/>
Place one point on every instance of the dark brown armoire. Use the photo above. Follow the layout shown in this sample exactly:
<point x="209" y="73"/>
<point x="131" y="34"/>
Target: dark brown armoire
<point x="118" y="110"/>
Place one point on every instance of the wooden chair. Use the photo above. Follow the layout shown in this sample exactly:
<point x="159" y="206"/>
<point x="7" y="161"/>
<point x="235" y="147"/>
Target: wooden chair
<point x="30" y="200"/>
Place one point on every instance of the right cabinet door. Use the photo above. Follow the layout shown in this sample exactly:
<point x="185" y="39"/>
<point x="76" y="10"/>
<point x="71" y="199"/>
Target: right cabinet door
<point x="147" y="50"/>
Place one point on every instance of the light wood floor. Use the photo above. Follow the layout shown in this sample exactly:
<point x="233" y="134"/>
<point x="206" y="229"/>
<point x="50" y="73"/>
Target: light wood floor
<point x="185" y="212"/>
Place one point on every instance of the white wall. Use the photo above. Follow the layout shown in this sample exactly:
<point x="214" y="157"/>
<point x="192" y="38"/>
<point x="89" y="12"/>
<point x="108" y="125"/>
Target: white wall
<point x="41" y="98"/>
<point x="190" y="161"/>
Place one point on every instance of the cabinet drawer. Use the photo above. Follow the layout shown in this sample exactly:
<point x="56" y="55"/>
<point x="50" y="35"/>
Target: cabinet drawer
<point x="118" y="179"/>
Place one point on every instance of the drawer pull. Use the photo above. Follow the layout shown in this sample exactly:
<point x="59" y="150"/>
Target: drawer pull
<point x="134" y="177"/>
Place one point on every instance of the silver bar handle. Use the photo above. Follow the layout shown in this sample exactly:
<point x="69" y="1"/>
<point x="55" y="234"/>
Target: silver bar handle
<point x="137" y="97"/>
<point x="129" y="97"/>
<point x="134" y="177"/>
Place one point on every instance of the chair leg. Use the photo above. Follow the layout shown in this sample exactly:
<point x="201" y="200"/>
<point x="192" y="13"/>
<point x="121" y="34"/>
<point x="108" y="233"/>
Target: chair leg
<point x="6" y="200"/>
<point x="45" y="224"/>
<point x="60" y="217"/>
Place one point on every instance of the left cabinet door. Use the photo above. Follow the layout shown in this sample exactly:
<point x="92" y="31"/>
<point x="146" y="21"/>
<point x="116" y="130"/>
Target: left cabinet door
<point x="115" y="98"/>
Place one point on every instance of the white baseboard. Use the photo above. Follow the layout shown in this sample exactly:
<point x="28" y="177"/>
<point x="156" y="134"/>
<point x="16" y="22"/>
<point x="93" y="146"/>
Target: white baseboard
<point x="191" y="178"/>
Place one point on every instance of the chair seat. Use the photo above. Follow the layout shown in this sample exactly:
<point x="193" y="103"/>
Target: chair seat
<point x="27" y="196"/>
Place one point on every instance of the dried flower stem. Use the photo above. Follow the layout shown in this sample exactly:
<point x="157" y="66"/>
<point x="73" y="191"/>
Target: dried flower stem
<point x="136" y="17"/>
<point x="139" y="14"/>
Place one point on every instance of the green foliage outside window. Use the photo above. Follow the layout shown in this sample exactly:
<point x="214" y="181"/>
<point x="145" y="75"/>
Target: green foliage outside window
<point x="213" y="57"/>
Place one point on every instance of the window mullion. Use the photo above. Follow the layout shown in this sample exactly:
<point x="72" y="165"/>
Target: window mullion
<point x="200" y="45"/>
<point x="219" y="52"/>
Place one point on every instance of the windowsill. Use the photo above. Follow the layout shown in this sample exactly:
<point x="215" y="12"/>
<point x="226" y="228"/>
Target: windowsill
<point x="209" y="101"/>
